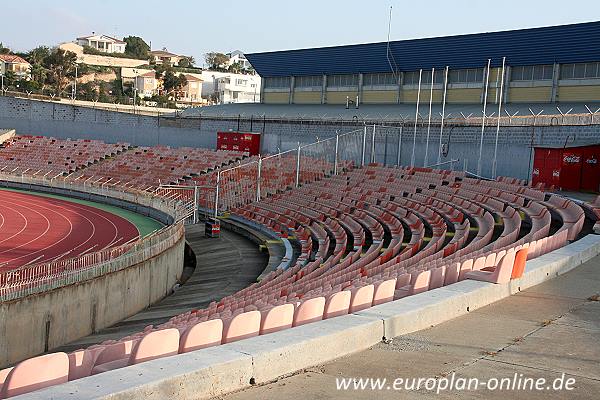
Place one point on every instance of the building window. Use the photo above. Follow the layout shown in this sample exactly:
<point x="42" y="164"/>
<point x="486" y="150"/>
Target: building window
<point x="313" y="81"/>
<point x="277" y="82"/>
<point x="580" y="71"/>
<point x="383" y="79"/>
<point x="532" y="73"/>
<point x="412" y="77"/>
<point x="342" y="80"/>
<point x="470" y="75"/>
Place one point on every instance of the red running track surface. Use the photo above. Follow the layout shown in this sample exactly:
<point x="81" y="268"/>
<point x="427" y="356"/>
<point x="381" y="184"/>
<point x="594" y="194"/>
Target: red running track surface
<point x="35" y="229"/>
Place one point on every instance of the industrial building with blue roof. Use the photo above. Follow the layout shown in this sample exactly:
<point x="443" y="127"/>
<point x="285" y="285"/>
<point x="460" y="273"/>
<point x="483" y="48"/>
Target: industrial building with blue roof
<point x="550" y="64"/>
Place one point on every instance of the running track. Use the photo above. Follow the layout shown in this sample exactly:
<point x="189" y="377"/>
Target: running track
<point x="35" y="229"/>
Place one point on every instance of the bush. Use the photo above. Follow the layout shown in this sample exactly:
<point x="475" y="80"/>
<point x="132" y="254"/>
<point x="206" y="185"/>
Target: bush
<point x="94" y="52"/>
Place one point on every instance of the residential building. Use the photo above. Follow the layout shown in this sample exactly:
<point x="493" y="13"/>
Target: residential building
<point x="542" y="65"/>
<point x="192" y="91"/>
<point x="143" y="80"/>
<point x="237" y="56"/>
<point x="103" y="43"/>
<point x="226" y="87"/>
<point x="164" y="56"/>
<point x="16" y="64"/>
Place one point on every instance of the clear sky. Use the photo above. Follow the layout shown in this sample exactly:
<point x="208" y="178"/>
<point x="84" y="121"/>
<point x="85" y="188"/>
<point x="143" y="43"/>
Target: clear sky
<point x="194" y="27"/>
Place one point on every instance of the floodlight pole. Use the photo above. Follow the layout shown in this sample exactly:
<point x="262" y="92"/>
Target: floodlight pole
<point x="412" y="157"/>
<point x="429" y="118"/>
<point x="439" y="160"/>
<point x="364" y="146"/>
<point x="495" y="163"/>
<point x="487" y="81"/>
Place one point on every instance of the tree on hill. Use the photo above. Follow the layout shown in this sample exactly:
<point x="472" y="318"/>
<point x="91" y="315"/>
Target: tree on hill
<point x="4" y="50"/>
<point x="187" y="62"/>
<point x="236" y="67"/>
<point x="216" y="60"/>
<point x="37" y="58"/>
<point x="136" y="47"/>
<point x="60" y="65"/>
<point x="172" y="82"/>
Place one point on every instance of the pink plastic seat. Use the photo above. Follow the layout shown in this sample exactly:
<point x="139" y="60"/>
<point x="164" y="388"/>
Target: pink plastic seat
<point x="114" y="351"/>
<point x="437" y="277"/>
<point x="36" y="373"/>
<point x="452" y="273"/>
<point x="309" y="311"/>
<point x="156" y="344"/>
<point x="277" y="318"/>
<point x="479" y="263"/>
<point x="362" y="298"/>
<point x="465" y="267"/>
<point x="81" y="362"/>
<point x="500" y="273"/>
<point x="420" y="285"/>
<point x="403" y="280"/>
<point x="337" y="304"/>
<point x="3" y="375"/>
<point x="241" y="326"/>
<point x="384" y="291"/>
<point x="201" y="335"/>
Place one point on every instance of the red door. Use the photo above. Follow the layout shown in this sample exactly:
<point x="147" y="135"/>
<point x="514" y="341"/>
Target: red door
<point x="590" y="176"/>
<point x="570" y="172"/>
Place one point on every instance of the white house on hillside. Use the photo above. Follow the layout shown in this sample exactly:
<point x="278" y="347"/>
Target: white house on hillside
<point x="164" y="56"/>
<point x="103" y="43"/>
<point x="238" y="56"/>
<point x="226" y="87"/>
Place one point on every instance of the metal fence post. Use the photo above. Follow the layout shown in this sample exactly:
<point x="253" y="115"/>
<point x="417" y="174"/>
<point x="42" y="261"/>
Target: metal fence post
<point x="298" y="167"/>
<point x="196" y="199"/>
<point x="337" y="144"/>
<point x="399" y="155"/>
<point x="258" y="177"/>
<point x="373" y="145"/>
<point x="217" y="194"/>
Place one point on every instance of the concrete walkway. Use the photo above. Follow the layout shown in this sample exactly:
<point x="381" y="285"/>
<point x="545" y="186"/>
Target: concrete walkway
<point x="547" y="330"/>
<point x="223" y="267"/>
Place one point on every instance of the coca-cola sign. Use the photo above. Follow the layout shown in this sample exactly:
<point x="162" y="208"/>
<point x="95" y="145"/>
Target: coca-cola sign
<point x="536" y="171"/>
<point x="571" y="159"/>
<point x="556" y="173"/>
<point x="592" y="161"/>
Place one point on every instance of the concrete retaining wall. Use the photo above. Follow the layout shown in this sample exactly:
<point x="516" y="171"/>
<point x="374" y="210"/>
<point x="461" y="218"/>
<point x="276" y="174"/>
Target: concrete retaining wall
<point x="41" y="322"/>
<point x="214" y="371"/>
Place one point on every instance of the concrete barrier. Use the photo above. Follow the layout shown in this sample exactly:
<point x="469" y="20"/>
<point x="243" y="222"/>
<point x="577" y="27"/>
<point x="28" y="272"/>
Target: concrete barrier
<point x="211" y="372"/>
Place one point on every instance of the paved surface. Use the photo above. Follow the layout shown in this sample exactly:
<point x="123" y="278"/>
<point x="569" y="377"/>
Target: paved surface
<point x="223" y="266"/>
<point x="545" y="331"/>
